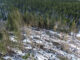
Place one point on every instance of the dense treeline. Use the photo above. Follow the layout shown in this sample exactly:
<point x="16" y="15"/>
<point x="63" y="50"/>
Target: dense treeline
<point x="48" y="13"/>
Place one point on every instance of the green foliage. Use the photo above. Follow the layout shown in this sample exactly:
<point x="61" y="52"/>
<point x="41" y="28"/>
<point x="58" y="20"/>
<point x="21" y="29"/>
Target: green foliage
<point x="2" y="48"/>
<point x="14" y="20"/>
<point x="1" y="58"/>
<point x="74" y="27"/>
<point x="1" y="36"/>
<point x="42" y="13"/>
<point x="5" y="42"/>
<point x="26" y="56"/>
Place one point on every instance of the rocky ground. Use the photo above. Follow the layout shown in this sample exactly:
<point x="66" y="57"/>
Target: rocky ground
<point x="45" y="45"/>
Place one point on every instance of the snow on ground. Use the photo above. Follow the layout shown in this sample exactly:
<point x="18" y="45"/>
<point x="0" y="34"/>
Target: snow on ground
<point x="40" y="57"/>
<point x="7" y="57"/>
<point x="47" y="45"/>
<point x="12" y="38"/>
<point x="78" y="35"/>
